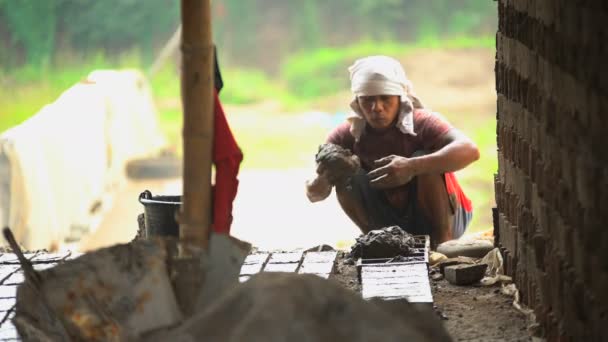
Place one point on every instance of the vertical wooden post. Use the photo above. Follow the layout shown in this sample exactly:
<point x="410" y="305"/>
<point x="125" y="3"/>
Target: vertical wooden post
<point x="197" y="99"/>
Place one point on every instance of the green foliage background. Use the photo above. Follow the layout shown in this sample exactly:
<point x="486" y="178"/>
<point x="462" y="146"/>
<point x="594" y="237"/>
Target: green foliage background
<point x="248" y="32"/>
<point x="292" y="52"/>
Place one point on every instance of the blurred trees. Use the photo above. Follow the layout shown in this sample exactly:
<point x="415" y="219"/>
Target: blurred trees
<point x="247" y="32"/>
<point x="41" y="30"/>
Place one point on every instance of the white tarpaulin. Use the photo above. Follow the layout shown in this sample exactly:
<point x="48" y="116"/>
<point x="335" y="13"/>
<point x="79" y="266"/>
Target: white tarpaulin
<point x="64" y="159"/>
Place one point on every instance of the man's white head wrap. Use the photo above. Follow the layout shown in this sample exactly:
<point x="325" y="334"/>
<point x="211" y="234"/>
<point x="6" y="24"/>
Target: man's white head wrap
<point x="382" y="75"/>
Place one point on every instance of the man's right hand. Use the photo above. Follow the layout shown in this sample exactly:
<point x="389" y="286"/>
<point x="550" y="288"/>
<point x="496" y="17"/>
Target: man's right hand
<point x="319" y="188"/>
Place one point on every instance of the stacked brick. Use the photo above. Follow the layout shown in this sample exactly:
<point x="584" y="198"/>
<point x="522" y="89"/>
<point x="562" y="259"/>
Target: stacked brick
<point x="552" y="184"/>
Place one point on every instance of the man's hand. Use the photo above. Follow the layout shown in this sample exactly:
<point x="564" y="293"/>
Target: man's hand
<point x="392" y="171"/>
<point x="319" y="188"/>
<point x="339" y="170"/>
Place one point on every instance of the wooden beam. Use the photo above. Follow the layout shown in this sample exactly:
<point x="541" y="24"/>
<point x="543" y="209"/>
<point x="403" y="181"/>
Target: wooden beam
<point x="197" y="98"/>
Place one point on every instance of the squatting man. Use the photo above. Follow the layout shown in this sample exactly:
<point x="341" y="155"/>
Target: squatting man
<point x="405" y="157"/>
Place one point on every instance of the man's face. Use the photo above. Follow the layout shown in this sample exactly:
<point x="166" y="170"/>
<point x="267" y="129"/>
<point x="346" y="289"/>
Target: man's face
<point x="380" y="111"/>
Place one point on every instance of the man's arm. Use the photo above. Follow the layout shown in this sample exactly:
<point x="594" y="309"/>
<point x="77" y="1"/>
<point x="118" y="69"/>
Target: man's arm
<point x="453" y="151"/>
<point x="320" y="187"/>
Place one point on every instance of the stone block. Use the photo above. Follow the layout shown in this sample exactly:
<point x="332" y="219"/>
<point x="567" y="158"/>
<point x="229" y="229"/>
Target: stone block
<point x="454" y="261"/>
<point x="468" y="248"/>
<point x="465" y="274"/>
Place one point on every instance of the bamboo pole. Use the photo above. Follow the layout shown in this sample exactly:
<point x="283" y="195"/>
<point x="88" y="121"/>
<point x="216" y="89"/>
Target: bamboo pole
<point x="197" y="99"/>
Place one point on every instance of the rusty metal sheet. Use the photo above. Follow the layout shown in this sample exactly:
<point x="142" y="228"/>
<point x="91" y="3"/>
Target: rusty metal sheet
<point x="291" y="267"/>
<point x="124" y="288"/>
<point x="284" y="258"/>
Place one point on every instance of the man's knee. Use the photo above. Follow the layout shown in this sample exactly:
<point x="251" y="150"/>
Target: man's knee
<point x="434" y="205"/>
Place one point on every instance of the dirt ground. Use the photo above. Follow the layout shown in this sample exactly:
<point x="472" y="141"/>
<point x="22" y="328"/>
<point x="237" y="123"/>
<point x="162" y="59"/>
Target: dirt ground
<point x="479" y="313"/>
<point x="470" y="313"/>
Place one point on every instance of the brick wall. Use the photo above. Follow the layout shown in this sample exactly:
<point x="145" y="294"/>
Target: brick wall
<point x="552" y="184"/>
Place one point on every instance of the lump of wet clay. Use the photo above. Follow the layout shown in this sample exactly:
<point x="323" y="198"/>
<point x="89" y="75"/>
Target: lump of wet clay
<point x="387" y="242"/>
<point x="339" y="163"/>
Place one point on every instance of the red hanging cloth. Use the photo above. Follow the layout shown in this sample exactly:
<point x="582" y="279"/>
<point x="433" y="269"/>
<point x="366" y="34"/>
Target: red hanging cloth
<point x="227" y="157"/>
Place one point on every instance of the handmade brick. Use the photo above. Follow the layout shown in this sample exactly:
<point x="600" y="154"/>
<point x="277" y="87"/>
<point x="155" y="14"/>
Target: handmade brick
<point x="285" y="267"/>
<point x="316" y="267"/>
<point x="465" y="274"/>
<point x="278" y="258"/>
<point x="256" y="258"/>
<point x="8" y="291"/>
<point x="408" y="281"/>
<point x="329" y="256"/>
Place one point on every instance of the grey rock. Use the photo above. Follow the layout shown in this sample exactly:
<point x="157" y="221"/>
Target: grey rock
<point x="465" y="274"/>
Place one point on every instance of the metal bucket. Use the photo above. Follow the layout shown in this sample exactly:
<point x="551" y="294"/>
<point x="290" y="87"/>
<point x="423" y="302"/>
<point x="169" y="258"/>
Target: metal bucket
<point x="160" y="213"/>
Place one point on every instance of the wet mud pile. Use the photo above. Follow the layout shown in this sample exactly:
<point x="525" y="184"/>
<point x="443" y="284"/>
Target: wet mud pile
<point x="339" y="164"/>
<point x="387" y="242"/>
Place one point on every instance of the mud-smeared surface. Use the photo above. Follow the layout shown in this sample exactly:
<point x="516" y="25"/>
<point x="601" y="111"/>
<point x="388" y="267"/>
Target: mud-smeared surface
<point x="345" y="272"/>
<point x="383" y="243"/>
<point x="338" y="163"/>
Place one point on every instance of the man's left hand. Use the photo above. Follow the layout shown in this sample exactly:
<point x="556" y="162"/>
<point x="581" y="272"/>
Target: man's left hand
<point x="392" y="171"/>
